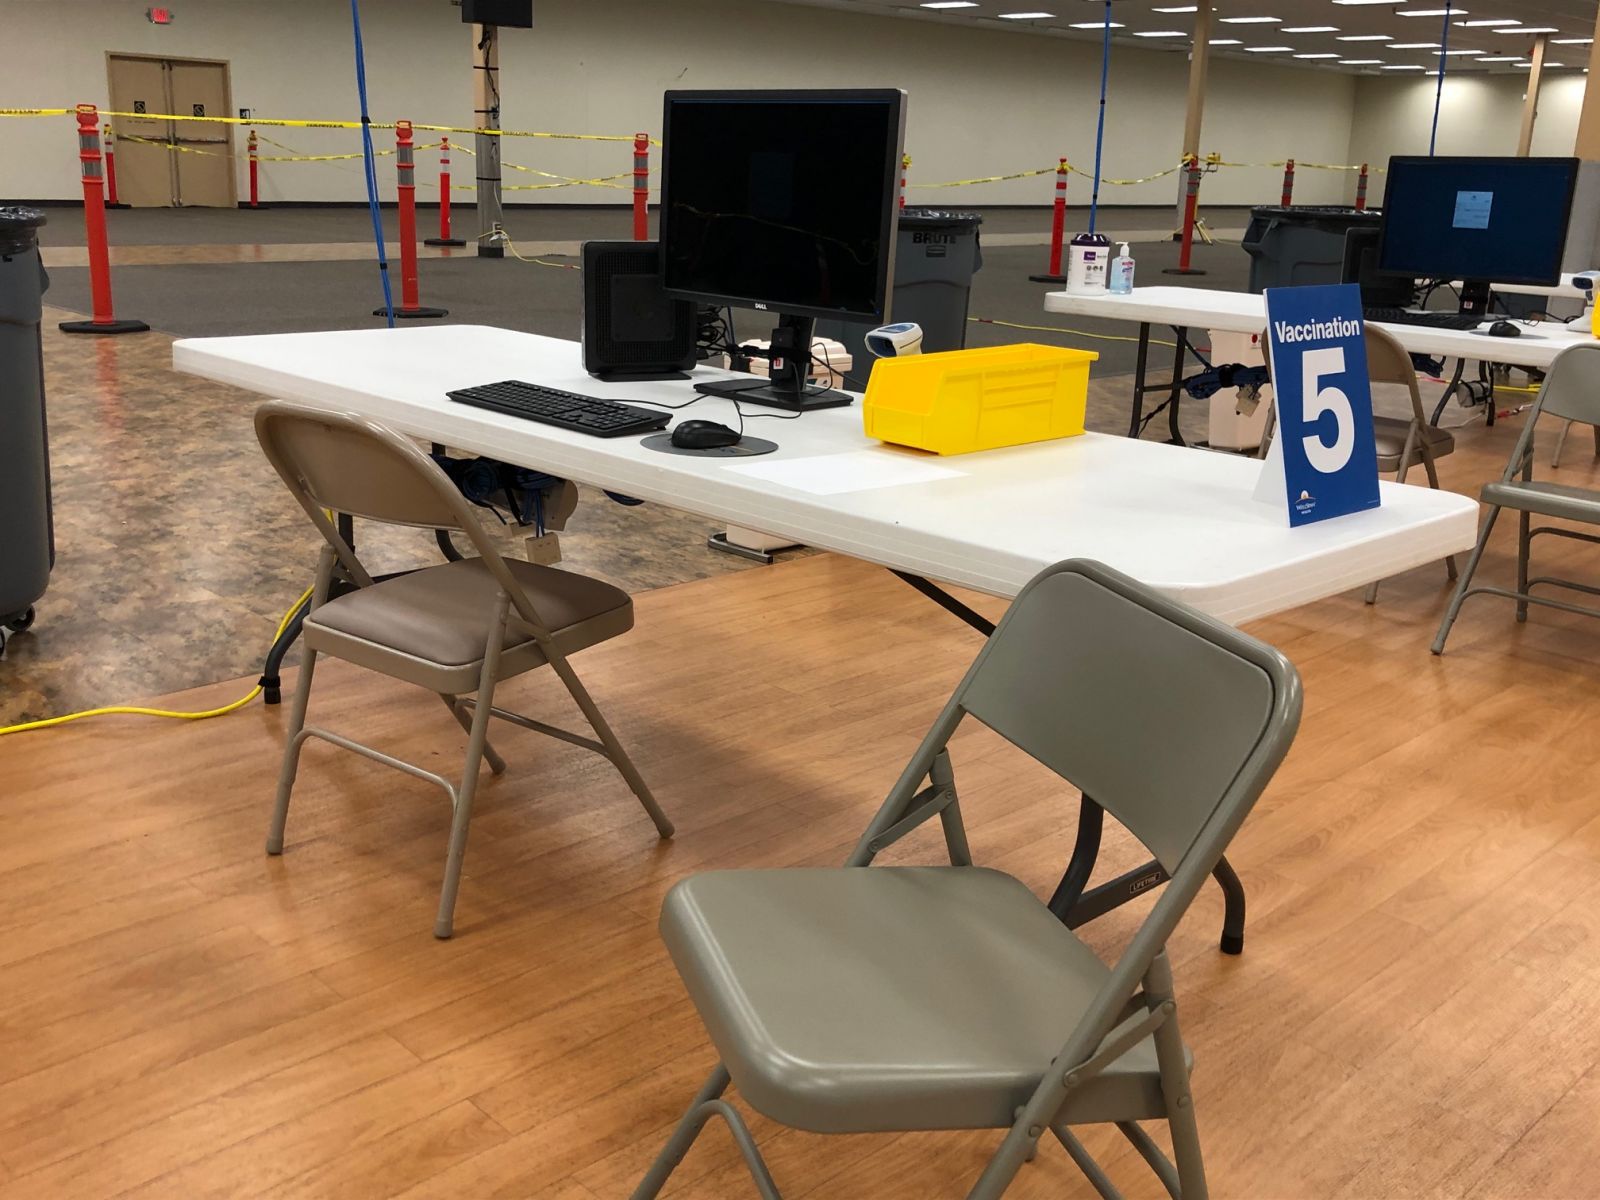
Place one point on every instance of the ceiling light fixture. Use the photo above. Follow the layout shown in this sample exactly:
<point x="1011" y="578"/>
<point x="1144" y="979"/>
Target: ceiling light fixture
<point x="1030" y="16"/>
<point x="1154" y="33"/>
<point x="1252" y="20"/>
<point x="1487" y="22"/>
<point x="1530" y="29"/>
<point x="1095" y="25"/>
<point x="950" y="4"/>
<point x="1432" y="12"/>
<point x="1269" y="49"/>
<point x="1328" y="55"/>
<point x="1360" y="62"/>
<point x="1365" y="37"/>
<point x="1310" y="29"/>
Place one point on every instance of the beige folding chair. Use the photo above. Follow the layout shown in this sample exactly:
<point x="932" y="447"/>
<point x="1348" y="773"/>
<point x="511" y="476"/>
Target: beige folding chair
<point x="455" y="628"/>
<point x="855" y="1000"/>
<point x="1571" y="392"/>
<point x="1401" y="443"/>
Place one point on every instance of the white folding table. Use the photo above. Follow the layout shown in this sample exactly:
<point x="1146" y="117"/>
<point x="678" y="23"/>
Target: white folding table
<point x="1184" y="522"/>
<point x="1184" y="308"/>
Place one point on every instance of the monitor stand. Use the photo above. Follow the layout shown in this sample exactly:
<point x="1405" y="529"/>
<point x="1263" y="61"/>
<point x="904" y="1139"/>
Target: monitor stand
<point x="1475" y="298"/>
<point x="786" y="386"/>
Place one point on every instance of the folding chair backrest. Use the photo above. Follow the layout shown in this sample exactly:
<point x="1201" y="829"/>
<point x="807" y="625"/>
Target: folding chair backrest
<point x="1390" y="362"/>
<point x="1163" y="716"/>
<point x="1571" y="388"/>
<point x="350" y="465"/>
<point x="346" y="463"/>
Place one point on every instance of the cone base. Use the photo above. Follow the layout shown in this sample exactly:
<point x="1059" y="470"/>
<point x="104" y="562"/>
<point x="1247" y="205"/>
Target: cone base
<point x="1182" y="271"/>
<point x="417" y="312"/>
<point x="103" y="327"/>
<point x="443" y="242"/>
<point x="1047" y="278"/>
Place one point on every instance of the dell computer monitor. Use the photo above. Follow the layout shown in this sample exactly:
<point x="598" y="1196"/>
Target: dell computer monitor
<point x="784" y="201"/>
<point x="1479" y="220"/>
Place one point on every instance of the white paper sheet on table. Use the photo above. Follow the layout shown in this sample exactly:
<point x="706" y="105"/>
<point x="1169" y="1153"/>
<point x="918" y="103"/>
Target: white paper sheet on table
<point x="856" y="471"/>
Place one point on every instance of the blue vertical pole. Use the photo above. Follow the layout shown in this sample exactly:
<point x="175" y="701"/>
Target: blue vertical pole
<point x="371" y="163"/>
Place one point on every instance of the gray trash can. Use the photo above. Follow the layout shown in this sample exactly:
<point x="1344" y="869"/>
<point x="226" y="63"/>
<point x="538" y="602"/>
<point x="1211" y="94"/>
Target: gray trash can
<point x="1301" y="244"/>
<point x="27" y="537"/>
<point x="935" y="258"/>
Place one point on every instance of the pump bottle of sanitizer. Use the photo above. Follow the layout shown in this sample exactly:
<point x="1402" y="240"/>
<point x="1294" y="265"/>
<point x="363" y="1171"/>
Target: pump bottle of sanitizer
<point x="1122" y="273"/>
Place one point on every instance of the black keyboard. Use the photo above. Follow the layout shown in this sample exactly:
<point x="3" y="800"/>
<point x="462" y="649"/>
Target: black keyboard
<point x="565" y="410"/>
<point x="1430" y="320"/>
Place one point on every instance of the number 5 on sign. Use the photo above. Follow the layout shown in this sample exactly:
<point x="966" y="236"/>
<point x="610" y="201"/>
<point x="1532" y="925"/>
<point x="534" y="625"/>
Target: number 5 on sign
<point x="1323" y="463"/>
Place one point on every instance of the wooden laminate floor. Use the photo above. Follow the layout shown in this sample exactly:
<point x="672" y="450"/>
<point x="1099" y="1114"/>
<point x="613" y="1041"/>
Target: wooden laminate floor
<point x="1417" y="1012"/>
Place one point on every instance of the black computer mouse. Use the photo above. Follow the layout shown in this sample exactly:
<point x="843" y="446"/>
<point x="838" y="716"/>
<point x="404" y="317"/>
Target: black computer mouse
<point x="1504" y="329"/>
<point x="703" y="435"/>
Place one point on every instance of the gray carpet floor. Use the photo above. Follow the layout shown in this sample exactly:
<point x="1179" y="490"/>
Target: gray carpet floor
<point x="209" y="299"/>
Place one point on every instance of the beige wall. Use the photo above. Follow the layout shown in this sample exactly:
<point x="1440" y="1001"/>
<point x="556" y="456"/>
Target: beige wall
<point x="982" y="103"/>
<point x="1480" y="114"/>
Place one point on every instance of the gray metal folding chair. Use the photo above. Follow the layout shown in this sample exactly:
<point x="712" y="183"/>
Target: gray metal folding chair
<point x="455" y="628"/>
<point x="1571" y="392"/>
<point x="1401" y="442"/>
<point x="851" y="1000"/>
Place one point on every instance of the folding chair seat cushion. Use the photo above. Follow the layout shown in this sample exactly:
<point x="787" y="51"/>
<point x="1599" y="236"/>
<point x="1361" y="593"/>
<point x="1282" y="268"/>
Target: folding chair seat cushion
<point x="892" y="998"/>
<point x="431" y="626"/>
<point x="1560" y="500"/>
<point x="1389" y="434"/>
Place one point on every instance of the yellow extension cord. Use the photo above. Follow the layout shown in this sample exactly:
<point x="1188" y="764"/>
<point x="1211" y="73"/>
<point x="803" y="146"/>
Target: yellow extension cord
<point x="130" y="710"/>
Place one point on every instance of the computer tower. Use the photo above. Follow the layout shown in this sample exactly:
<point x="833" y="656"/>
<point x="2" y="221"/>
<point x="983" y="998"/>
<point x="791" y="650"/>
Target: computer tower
<point x="514" y="14"/>
<point x="631" y="328"/>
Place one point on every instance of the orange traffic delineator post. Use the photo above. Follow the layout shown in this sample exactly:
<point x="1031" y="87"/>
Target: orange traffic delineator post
<point x="444" y="238"/>
<point x="94" y="222"/>
<point x="111" y="171"/>
<point x="641" y="187"/>
<point x="405" y="161"/>
<point x="905" y="170"/>
<point x="1288" y="183"/>
<point x="253" y="152"/>
<point x="1192" y="203"/>
<point x="1361" y="189"/>
<point x="1058" y="228"/>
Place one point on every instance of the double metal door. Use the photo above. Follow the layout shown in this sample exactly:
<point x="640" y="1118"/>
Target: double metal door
<point x="163" y="162"/>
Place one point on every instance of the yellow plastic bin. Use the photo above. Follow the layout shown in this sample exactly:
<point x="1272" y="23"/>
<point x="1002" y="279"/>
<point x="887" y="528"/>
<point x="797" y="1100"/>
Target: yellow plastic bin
<point x="964" y="400"/>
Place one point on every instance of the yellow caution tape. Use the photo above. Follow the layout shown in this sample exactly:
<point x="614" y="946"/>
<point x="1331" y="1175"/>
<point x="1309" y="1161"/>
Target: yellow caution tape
<point x="133" y="137"/>
<point x="34" y="112"/>
<point x="987" y="179"/>
<point x="287" y="123"/>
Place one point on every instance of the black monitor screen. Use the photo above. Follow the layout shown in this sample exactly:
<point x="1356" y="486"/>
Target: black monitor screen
<point x="782" y="200"/>
<point x="1497" y="219"/>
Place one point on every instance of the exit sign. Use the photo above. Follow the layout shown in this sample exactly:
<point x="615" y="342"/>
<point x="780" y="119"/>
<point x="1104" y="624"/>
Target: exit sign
<point x="159" y="16"/>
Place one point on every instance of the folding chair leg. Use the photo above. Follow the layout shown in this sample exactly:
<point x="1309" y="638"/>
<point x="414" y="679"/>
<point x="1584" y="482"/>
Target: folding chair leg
<point x="1175" y="1089"/>
<point x="1232" y="906"/>
<point x="444" y="923"/>
<point x="1561" y="441"/>
<point x="707" y="1104"/>
<point x="291" y="753"/>
<point x="1524" y="536"/>
<point x="614" y="751"/>
<point x="496" y="763"/>
<point x="1465" y="581"/>
<point x="1433" y="482"/>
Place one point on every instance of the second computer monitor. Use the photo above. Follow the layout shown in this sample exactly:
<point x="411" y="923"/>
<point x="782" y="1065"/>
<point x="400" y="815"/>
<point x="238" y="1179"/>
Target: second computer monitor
<point x="784" y="201"/>
<point x="1479" y="220"/>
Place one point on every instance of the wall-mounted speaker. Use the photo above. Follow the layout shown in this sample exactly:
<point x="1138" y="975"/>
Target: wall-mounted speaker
<point x="515" y="14"/>
<point x="631" y="328"/>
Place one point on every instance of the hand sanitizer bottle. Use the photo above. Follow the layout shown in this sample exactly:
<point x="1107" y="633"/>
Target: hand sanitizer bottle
<point x="1122" y="273"/>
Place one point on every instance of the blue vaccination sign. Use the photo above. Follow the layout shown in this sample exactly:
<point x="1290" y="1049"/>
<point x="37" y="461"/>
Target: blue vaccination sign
<point x="1324" y="397"/>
